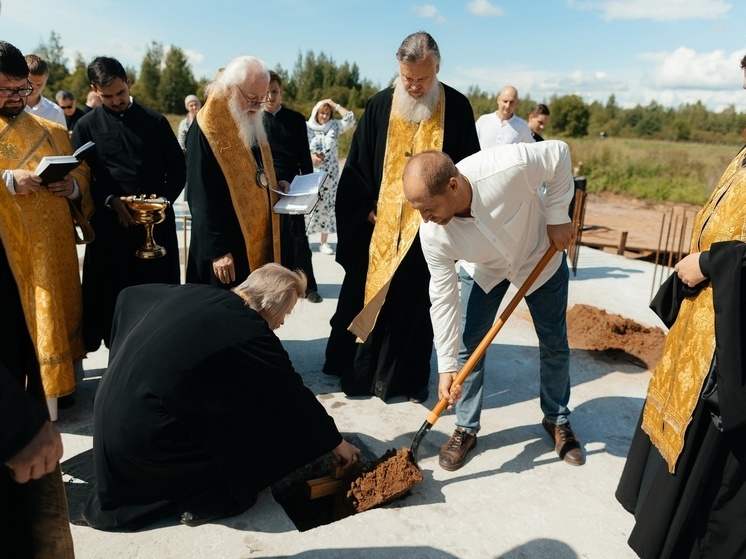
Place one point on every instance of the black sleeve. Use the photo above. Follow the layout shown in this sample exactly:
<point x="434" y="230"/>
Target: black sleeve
<point x="174" y="166"/>
<point x="214" y="219"/>
<point x="360" y="182"/>
<point x="461" y="138"/>
<point x="302" y="154"/>
<point x="21" y="416"/>
<point x="81" y="135"/>
<point x="704" y="263"/>
<point x="727" y="263"/>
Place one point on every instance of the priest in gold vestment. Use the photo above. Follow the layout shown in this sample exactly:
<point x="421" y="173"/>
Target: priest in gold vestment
<point x="685" y="476"/>
<point x="45" y="213"/>
<point x="384" y="301"/>
<point x="33" y="510"/>
<point x="230" y="175"/>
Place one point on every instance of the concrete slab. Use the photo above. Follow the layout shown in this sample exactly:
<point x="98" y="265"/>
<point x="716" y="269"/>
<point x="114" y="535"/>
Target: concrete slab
<point x="513" y="499"/>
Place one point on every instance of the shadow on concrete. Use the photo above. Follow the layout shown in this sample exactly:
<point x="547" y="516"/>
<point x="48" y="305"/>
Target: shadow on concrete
<point x="541" y="547"/>
<point x="329" y="290"/>
<point x="419" y="552"/>
<point x="604" y="272"/>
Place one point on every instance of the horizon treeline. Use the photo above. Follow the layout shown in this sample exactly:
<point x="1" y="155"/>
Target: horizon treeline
<point x="165" y="77"/>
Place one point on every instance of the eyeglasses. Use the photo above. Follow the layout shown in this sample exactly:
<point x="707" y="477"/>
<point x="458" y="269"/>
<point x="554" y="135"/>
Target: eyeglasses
<point x="252" y="102"/>
<point x="65" y="107"/>
<point x="22" y="92"/>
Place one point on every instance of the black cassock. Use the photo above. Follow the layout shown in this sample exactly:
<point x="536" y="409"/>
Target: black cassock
<point x="199" y="409"/>
<point x="288" y="140"/>
<point x="136" y="154"/>
<point x="395" y="359"/>
<point x="216" y="230"/>
<point x="700" y="510"/>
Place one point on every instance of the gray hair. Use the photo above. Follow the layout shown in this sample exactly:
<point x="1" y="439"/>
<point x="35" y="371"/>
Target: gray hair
<point x="417" y="47"/>
<point x="64" y="95"/>
<point x="273" y="290"/>
<point x="237" y="72"/>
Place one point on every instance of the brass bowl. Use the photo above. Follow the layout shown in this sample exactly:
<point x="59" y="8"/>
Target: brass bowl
<point x="148" y="212"/>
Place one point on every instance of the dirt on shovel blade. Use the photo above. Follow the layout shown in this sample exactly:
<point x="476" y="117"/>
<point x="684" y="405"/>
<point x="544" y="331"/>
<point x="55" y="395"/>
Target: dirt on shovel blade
<point x="389" y="478"/>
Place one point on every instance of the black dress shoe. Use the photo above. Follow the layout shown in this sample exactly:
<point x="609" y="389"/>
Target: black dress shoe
<point x="191" y="519"/>
<point x="313" y="297"/>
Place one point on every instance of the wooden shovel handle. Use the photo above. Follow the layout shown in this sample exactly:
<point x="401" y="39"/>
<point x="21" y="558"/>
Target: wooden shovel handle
<point x="496" y="327"/>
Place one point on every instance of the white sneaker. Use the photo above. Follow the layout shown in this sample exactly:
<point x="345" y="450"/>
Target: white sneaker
<point x="326" y="249"/>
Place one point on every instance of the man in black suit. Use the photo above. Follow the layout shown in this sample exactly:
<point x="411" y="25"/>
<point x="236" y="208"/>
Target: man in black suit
<point x="288" y="140"/>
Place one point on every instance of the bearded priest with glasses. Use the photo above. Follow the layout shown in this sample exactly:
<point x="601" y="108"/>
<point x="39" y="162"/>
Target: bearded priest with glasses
<point x="231" y="177"/>
<point x="44" y="211"/>
<point x="40" y="305"/>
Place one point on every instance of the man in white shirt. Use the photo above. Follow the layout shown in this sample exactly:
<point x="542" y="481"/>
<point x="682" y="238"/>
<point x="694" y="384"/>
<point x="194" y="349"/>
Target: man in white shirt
<point x="35" y="103"/>
<point x="491" y="212"/>
<point x="503" y="126"/>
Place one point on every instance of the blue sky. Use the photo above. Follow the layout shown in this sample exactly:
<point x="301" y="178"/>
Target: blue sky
<point x="670" y="51"/>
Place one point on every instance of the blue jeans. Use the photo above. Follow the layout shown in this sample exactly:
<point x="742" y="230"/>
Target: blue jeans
<point x="548" y="305"/>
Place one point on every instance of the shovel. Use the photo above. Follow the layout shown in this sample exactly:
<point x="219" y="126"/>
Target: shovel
<point x="396" y="472"/>
<point x="481" y="349"/>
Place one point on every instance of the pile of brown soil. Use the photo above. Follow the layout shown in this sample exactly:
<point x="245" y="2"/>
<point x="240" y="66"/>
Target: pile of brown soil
<point x="389" y="478"/>
<point x="596" y="330"/>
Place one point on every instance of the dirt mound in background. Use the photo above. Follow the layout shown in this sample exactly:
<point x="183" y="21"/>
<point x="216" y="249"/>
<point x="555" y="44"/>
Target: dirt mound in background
<point x="596" y="330"/>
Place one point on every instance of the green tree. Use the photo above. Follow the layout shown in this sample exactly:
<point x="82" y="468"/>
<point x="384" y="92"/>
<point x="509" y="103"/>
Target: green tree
<point x="145" y="90"/>
<point x="77" y="82"/>
<point x="481" y="101"/>
<point x="176" y="82"/>
<point x="53" y="53"/>
<point x="570" y="116"/>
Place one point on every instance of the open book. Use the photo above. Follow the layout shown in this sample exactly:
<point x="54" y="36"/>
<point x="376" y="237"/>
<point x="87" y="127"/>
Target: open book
<point x="303" y="194"/>
<point x="53" y="168"/>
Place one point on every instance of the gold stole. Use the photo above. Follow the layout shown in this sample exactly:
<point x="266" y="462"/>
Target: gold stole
<point x="56" y="300"/>
<point x="397" y="222"/>
<point x="677" y="381"/>
<point x="253" y="205"/>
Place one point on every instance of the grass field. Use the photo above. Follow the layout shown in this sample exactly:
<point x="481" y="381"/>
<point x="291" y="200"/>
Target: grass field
<point x="650" y="170"/>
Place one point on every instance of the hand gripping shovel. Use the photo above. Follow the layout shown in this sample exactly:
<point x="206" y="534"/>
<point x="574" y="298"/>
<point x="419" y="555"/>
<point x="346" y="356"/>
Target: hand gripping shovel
<point x="481" y="349"/>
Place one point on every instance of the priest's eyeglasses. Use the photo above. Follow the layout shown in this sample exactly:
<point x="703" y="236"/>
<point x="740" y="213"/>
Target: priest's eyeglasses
<point x="252" y="102"/>
<point x="22" y="92"/>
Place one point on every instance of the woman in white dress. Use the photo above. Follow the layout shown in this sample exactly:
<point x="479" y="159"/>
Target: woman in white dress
<point x="323" y="141"/>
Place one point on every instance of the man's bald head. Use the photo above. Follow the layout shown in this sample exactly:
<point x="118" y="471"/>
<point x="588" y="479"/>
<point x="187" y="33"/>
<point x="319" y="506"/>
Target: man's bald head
<point x="507" y="101"/>
<point x="434" y="187"/>
<point x="430" y="171"/>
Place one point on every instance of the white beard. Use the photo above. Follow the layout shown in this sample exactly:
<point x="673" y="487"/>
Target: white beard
<point x="415" y="110"/>
<point x="250" y="126"/>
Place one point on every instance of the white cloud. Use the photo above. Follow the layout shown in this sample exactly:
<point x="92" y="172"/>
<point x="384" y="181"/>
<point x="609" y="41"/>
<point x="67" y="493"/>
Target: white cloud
<point x="484" y="8"/>
<point x="430" y="12"/>
<point x="670" y="79"/>
<point x="685" y="68"/>
<point x="195" y="57"/>
<point x="657" y="10"/>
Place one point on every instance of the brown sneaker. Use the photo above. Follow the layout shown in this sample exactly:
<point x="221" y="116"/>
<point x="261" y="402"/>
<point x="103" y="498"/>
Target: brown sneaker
<point x="453" y="453"/>
<point x="566" y="443"/>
